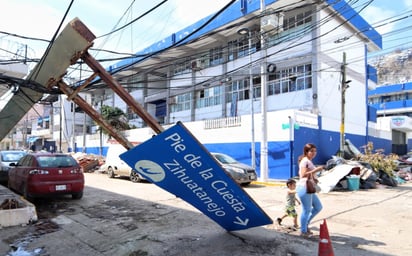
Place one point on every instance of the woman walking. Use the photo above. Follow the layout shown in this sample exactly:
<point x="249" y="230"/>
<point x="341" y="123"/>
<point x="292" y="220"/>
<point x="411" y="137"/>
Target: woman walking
<point x="311" y="204"/>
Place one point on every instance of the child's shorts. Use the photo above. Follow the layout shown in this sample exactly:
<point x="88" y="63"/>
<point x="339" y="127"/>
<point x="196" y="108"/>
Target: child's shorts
<point x="290" y="211"/>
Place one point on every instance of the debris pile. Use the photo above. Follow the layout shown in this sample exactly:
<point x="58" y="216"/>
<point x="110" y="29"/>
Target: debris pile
<point x="9" y="203"/>
<point x="89" y="162"/>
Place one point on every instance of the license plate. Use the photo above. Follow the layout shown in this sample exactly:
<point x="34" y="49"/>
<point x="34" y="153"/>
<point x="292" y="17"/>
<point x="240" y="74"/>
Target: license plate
<point x="60" y="187"/>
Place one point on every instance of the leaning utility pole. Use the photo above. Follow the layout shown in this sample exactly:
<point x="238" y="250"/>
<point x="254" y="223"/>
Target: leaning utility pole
<point x="343" y="88"/>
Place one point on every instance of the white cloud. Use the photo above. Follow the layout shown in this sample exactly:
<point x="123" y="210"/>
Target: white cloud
<point x="29" y="19"/>
<point x="174" y="16"/>
<point x="171" y="17"/>
<point x="40" y="19"/>
<point x="408" y="3"/>
<point x="377" y="16"/>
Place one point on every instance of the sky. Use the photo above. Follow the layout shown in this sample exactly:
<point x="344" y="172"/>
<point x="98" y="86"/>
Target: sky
<point x="390" y="19"/>
<point x="41" y="19"/>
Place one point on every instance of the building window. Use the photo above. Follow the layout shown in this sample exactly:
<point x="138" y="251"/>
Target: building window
<point x="181" y="102"/>
<point x="290" y="79"/>
<point x="183" y="67"/>
<point x="134" y="83"/>
<point x="297" y="19"/>
<point x="216" y="56"/>
<point x="232" y="50"/>
<point x="209" y="97"/>
<point x="242" y="47"/>
<point x="256" y="87"/>
<point x="131" y="114"/>
<point x="238" y="90"/>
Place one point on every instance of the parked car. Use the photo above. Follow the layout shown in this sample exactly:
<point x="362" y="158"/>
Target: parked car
<point x="241" y="173"/>
<point x="46" y="174"/>
<point x="6" y="158"/>
<point x="114" y="166"/>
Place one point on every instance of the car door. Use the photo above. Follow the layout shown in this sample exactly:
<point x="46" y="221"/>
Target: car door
<point x="12" y="176"/>
<point x="22" y="172"/>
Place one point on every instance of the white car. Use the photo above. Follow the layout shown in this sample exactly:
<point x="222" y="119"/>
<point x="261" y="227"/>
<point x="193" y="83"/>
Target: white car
<point x="241" y="173"/>
<point x="116" y="167"/>
<point x="6" y="158"/>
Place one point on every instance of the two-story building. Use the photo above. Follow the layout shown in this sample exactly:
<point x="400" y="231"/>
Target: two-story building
<point x="258" y="81"/>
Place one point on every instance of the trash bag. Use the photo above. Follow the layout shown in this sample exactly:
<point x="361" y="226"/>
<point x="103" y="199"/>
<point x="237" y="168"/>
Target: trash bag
<point x="331" y="163"/>
<point x="385" y="179"/>
<point x="369" y="182"/>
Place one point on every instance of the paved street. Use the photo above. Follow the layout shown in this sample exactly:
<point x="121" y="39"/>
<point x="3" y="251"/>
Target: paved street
<point x="118" y="217"/>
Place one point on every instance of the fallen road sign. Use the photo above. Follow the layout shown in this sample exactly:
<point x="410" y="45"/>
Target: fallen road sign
<point x="175" y="161"/>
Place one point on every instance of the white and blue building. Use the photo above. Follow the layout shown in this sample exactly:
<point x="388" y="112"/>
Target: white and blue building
<point x="394" y="110"/>
<point x="270" y="90"/>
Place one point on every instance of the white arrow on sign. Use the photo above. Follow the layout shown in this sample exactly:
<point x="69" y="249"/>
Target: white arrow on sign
<point x="240" y="221"/>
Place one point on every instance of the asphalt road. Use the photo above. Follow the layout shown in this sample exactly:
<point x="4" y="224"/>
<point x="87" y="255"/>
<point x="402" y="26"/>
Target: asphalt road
<point x="118" y="217"/>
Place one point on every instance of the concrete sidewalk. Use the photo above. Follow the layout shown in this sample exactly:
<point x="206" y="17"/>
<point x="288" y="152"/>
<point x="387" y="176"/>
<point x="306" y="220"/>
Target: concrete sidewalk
<point x="15" y="209"/>
<point x="18" y="211"/>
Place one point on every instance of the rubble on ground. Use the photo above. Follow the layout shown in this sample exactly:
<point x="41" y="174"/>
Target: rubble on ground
<point x="89" y="162"/>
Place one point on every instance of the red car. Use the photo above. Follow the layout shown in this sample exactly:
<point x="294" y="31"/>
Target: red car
<point x="45" y="174"/>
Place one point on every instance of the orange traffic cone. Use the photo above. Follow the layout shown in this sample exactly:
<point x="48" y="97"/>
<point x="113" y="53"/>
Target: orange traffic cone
<point x="325" y="245"/>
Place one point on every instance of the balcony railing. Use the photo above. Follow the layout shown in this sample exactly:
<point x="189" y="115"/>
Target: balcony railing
<point x="223" y="122"/>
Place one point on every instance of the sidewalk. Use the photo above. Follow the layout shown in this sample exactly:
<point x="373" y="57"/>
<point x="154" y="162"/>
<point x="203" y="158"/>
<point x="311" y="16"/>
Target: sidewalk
<point x="15" y="210"/>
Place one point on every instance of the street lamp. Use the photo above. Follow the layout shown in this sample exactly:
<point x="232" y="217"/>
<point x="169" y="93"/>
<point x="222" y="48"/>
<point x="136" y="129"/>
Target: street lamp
<point x="246" y="31"/>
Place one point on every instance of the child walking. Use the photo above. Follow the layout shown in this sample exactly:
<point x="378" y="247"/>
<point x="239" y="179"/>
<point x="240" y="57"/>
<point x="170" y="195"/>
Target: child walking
<point x="291" y="201"/>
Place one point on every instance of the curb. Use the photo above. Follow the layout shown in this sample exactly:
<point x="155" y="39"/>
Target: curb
<point x="270" y="183"/>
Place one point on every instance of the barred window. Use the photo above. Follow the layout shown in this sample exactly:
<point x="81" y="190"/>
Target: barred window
<point x="297" y="19"/>
<point x="181" y="102"/>
<point x="232" y="50"/>
<point x="238" y="90"/>
<point x="216" y="56"/>
<point x="209" y="97"/>
<point x="290" y="79"/>
<point x="183" y="67"/>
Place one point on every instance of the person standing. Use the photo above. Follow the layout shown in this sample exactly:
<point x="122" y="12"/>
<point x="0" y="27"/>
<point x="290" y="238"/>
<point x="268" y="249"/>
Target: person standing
<point x="311" y="205"/>
<point x="291" y="201"/>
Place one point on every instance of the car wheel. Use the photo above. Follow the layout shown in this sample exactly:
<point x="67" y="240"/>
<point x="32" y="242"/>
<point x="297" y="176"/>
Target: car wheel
<point x="110" y="172"/>
<point x="246" y="184"/>
<point x="77" y="195"/>
<point x="134" y="177"/>
<point x="26" y="194"/>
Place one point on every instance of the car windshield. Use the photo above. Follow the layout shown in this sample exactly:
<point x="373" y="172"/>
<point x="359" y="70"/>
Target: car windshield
<point x="12" y="156"/>
<point x="56" y="161"/>
<point x="225" y="159"/>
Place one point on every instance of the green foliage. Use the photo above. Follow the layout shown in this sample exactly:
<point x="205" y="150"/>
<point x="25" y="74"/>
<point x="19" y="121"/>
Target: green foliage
<point x="378" y="160"/>
<point x="109" y="113"/>
<point x="115" y="117"/>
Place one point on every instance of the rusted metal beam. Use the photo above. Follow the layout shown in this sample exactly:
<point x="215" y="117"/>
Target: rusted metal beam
<point x="123" y="94"/>
<point x="94" y="115"/>
<point x="78" y="89"/>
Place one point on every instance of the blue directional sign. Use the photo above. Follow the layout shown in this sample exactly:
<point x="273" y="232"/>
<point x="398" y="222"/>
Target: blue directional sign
<point x="175" y="161"/>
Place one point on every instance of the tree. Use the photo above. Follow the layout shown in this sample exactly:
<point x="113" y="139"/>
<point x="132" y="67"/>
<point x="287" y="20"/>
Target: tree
<point x="115" y="117"/>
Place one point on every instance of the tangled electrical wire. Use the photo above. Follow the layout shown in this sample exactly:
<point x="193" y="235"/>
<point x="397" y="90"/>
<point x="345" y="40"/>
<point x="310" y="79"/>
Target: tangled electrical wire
<point x="15" y="83"/>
